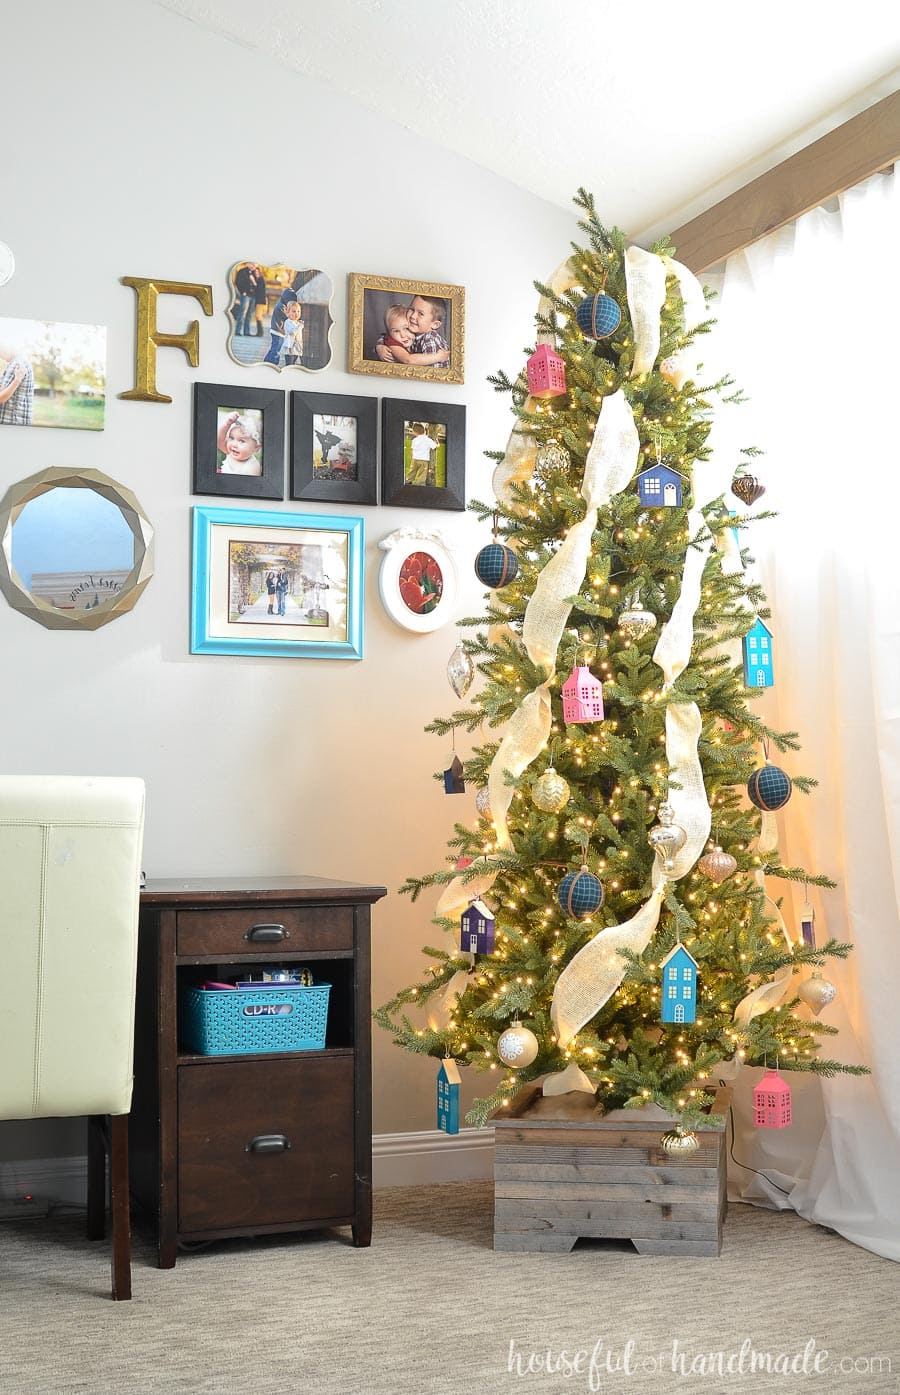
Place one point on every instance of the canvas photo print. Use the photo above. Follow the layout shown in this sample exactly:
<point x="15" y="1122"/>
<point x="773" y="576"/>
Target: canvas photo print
<point x="52" y="374"/>
<point x="279" y="315"/>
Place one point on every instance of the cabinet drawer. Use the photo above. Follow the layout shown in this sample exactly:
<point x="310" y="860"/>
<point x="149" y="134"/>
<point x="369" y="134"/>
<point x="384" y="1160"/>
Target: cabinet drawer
<point x="224" y="1180"/>
<point x="229" y="932"/>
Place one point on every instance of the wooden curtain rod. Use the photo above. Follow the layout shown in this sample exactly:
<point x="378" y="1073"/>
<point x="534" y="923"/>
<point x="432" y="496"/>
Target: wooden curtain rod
<point x="862" y="146"/>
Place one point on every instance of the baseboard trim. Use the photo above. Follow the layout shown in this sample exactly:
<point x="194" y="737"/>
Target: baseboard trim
<point x="398" y="1160"/>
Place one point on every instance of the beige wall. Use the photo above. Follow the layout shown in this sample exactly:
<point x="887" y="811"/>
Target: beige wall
<point x="166" y="152"/>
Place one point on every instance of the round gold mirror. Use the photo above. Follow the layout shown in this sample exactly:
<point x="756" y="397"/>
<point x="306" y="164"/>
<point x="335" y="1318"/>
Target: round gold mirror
<point x="76" y="548"/>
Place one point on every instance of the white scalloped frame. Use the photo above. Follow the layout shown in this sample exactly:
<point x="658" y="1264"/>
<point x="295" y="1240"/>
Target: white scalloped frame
<point x="397" y="547"/>
<point x="260" y="363"/>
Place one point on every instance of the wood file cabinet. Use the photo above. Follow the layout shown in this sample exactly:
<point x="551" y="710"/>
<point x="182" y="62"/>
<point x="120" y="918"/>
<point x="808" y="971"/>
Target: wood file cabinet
<point x="258" y="1143"/>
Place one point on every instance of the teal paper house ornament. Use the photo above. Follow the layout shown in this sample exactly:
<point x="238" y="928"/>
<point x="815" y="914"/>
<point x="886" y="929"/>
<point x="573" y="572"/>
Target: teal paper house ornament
<point x="758" y="671"/>
<point x="477" y="929"/>
<point x="448" y="1097"/>
<point x="660" y="486"/>
<point x="679" y="986"/>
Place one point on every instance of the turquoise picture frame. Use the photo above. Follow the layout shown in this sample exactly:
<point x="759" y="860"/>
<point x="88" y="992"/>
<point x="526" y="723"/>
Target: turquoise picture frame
<point x="274" y="583"/>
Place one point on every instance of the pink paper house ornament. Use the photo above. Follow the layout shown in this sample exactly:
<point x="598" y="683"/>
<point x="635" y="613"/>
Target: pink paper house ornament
<point x="546" y="373"/>
<point x="582" y="697"/>
<point x="772" y="1102"/>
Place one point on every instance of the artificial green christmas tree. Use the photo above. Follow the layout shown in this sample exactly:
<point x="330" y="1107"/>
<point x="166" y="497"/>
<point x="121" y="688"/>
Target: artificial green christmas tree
<point x="612" y="498"/>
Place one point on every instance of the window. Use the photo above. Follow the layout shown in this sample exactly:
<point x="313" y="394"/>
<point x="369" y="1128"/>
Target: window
<point x="673" y="973"/>
<point x="687" y="991"/>
<point x="673" y="990"/>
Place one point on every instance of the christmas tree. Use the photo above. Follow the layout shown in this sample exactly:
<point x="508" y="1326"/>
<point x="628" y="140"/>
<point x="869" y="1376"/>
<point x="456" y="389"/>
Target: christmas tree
<point x="608" y="848"/>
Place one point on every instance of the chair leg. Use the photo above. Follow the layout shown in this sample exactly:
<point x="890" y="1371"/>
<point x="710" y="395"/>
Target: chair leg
<point x="119" y="1206"/>
<point x="96" y="1177"/>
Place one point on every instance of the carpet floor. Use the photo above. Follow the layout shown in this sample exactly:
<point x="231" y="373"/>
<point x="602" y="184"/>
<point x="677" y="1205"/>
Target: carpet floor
<point x="430" y="1309"/>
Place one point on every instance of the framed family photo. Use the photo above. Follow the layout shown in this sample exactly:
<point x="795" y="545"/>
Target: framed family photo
<point x="407" y="329"/>
<point x="279" y="315"/>
<point x="277" y="583"/>
<point x="334" y="448"/>
<point x="52" y="374"/>
<point x="423" y="454"/>
<point x="238" y="441"/>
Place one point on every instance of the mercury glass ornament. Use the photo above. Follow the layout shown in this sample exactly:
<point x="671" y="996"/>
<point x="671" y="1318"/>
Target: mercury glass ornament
<point x="550" y="792"/>
<point x="680" y="1141"/>
<point x="670" y="369"/>
<point x="460" y="671"/>
<point x="667" y="837"/>
<point x="816" y="992"/>
<point x="717" y="865"/>
<point x="552" y="456"/>
<point x="518" y="1046"/>
<point x="636" y="622"/>
<point x="483" y="801"/>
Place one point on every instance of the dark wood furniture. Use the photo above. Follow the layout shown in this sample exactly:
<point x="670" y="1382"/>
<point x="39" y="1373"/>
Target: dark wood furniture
<point x="107" y="1137"/>
<point x="252" y="1144"/>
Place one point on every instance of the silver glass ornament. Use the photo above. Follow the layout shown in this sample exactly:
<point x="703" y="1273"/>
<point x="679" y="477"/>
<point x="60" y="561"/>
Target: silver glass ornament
<point x="747" y="488"/>
<point x="460" y="671"/>
<point x="636" y="622"/>
<point x="717" y="865"/>
<point x="483" y="801"/>
<point x="550" y="792"/>
<point x="667" y="837"/>
<point x="816" y="992"/>
<point x="518" y="1046"/>
<point x="680" y="1141"/>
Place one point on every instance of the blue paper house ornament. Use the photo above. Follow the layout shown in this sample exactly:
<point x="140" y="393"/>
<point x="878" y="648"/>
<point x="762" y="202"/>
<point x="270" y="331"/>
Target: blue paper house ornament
<point x="758" y="670"/>
<point x="448" y="1097"/>
<point x="660" y="486"/>
<point x="679" y="986"/>
<point x="477" y="929"/>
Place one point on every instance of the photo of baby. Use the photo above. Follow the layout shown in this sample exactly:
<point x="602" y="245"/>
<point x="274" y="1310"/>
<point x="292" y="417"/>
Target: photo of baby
<point x="239" y="440"/>
<point x="334" y="452"/>
<point x="405" y="329"/>
<point x="425" y="453"/>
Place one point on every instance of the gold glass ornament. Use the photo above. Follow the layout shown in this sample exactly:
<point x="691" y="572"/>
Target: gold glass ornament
<point x="817" y="992"/>
<point x="636" y="622"/>
<point x="717" y="865"/>
<point x="550" y="792"/>
<point x="680" y="1141"/>
<point x="552" y="456"/>
<point x="518" y="1046"/>
<point x="667" y="837"/>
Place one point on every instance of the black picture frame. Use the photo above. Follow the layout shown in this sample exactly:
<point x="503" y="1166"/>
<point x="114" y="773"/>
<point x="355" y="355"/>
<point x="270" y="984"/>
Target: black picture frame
<point x="211" y="400"/>
<point x="324" y="483"/>
<point x="397" y="485"/>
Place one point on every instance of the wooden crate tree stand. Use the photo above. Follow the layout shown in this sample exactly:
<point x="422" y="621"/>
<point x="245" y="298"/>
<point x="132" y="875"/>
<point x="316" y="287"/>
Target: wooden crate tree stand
<point x="563" y="1170"/>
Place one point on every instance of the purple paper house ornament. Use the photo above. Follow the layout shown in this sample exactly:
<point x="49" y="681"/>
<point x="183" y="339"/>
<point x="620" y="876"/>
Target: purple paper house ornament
<point x="582" y="697"/>
<point x="546" y="373"/>
<point x="477" y="927"/>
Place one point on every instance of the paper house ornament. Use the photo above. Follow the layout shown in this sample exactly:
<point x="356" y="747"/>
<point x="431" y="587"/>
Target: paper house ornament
<point x="758" y="671"/>
<point x="477" y="929"/>
<point x="448" y="1097"/>
<point x="546" y="373"/>
<point x="772" y="1102"/>
<point x="582" y="697"/>
<point x="679" y="986"/>
<point x="808" y="926"/>
<point x="453" y="777"/>
<point x="660" y="486"/>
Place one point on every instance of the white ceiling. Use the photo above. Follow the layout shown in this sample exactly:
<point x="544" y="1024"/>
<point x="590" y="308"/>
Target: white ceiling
<point x="660" y="108"/>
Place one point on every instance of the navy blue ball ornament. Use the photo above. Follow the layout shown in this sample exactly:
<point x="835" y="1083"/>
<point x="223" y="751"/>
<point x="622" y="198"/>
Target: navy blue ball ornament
<point x="496" y="565"/>
<point x="598" y="316"/>
<point x="580" y="893"/>
<point x="769" y="788"/>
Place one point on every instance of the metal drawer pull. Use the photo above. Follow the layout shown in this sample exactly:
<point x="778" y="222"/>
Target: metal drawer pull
<point x="268" y="1143"/>
<point x="266" y="934"/>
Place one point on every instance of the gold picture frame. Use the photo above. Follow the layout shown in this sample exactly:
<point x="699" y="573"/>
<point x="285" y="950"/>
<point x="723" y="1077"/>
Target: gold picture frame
<point x="440" y="319"/>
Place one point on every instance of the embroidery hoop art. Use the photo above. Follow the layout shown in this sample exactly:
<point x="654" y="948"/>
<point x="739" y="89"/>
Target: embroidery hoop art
<point x="398" y="547"/>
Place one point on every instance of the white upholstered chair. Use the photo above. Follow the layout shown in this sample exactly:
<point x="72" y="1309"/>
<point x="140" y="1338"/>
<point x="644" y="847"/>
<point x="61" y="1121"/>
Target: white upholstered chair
<point x="70" y="858"/>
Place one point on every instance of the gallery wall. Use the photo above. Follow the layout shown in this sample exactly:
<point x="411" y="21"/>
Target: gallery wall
<point x="146" y="147"/>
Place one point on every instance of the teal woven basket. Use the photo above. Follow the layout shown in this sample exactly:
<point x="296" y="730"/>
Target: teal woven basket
<point x="217" y="1023"/>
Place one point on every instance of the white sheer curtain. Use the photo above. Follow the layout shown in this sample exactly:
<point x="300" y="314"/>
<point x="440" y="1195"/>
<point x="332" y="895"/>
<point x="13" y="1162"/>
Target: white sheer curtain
<point x="808" y="324"/>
